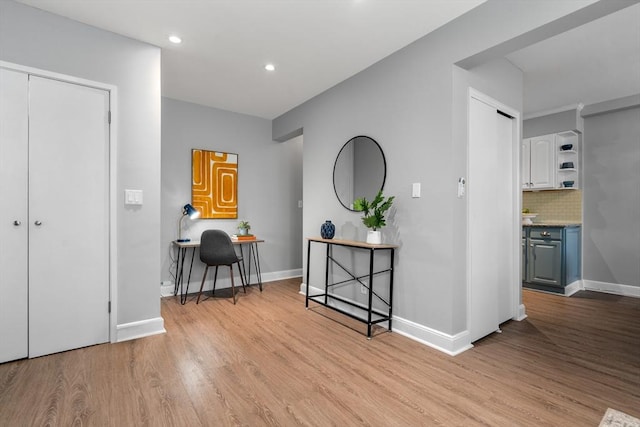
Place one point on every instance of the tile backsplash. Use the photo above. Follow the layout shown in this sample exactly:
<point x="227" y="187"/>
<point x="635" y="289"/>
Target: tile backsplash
<point x="554" y="205"/>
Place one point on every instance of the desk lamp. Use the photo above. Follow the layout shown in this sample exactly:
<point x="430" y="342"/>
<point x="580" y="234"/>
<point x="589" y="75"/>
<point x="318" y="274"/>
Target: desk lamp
<point x="192" y="213"/>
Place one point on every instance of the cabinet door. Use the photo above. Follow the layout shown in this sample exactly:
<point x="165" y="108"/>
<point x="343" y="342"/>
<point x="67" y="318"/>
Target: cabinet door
<point x="13" y="215"/>
<point x="545" y="262"/>
<point x="543" y="165"/>
<point x="523" y="260"/>
<point x="525" y="164"/>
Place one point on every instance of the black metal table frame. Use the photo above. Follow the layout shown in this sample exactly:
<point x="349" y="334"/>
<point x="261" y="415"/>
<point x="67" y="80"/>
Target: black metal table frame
<point x="370" y="291"/>
<point x="182" y="254"/>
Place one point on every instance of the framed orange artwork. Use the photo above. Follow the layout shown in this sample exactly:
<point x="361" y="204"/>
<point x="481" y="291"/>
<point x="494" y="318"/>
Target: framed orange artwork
<point x="214" y="184"/>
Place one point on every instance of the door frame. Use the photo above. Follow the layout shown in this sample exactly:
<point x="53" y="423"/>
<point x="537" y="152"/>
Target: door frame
<point x="518" y="309"/>
<point x="113" y="168"/>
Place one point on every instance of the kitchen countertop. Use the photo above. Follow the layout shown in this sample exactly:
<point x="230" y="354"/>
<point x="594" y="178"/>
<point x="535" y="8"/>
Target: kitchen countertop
<point x="554" y="224"/>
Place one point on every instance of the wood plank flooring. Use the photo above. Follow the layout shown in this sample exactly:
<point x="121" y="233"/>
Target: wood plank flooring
<point x="268" y="361"/>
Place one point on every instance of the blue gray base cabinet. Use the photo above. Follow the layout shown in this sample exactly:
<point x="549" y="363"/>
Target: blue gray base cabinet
<point x="551" y="257"/>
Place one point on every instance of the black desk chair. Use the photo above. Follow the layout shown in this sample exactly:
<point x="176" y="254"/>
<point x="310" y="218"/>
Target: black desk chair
<point x="216" y="249"/>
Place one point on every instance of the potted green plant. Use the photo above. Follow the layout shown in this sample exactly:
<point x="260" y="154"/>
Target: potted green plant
<point x="374" y="215"/>
<point x="243" y="228"/>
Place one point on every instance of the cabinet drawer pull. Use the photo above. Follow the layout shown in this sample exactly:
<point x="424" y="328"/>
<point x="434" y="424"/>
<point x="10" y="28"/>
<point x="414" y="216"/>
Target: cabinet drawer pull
<point x="545" y="234"/>
<point x="16" y="223"/>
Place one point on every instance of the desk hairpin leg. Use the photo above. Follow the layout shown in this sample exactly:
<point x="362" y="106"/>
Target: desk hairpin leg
<point x="244" y="266"/>
<point x="252" y="255"/>
<point x="183" y="296"/>
<point x="248" y="277"/>
<point x="176" y="287"/>
<point x="179" y="270"/>
<point x="256" y="260"/>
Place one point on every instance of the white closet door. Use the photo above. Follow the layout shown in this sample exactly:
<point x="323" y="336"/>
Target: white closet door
<point x="503" y="217"/>
<point x="491" y="227"/>
<point x="13" y="215"/>
<point x="68" y="216"/>
<point x="484" y="250"/>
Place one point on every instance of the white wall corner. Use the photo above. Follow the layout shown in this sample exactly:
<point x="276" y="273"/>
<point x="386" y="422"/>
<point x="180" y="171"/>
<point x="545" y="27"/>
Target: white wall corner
<point x="611" y="288"/>
<point x="303" y="288"/>
<point x="166" y="289"/>
<point x="522" y="313"/>
<point x="572" y="288"/>
<point x="140" y="329"/>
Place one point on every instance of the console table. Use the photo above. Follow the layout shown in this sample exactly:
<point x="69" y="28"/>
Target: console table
<point x="371" y="315"/>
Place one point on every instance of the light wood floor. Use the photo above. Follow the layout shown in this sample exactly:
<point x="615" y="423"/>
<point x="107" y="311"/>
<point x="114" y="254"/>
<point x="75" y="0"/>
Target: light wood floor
<point x="268" y="361"/>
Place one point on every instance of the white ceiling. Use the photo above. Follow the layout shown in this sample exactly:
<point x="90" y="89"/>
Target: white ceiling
<point x="316" y="44"/>
<point x="596" y="62"/>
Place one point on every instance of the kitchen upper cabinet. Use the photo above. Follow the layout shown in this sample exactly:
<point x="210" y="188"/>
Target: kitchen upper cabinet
<point x="550" y="162"/>
<point x="538" y="156"/>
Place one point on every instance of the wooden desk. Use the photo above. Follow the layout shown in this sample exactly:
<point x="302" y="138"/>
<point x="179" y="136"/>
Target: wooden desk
<point x="182" y="247"/>
<point x="373" y="316"/>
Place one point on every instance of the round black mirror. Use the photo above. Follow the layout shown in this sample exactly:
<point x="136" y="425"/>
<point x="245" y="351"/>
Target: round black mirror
<point x="359" y="171"/>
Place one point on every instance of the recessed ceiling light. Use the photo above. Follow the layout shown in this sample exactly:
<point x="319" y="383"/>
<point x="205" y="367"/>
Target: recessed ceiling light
<point x="269" y="67"/>
<point x="175" y="39"/>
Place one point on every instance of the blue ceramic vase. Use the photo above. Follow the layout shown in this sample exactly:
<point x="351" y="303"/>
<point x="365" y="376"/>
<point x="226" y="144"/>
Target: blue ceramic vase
<point x="327" y="230"/>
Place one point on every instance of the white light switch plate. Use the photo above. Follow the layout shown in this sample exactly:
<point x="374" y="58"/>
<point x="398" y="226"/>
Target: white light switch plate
<point x="415" y="190"/>
<point x="132" y="197"/>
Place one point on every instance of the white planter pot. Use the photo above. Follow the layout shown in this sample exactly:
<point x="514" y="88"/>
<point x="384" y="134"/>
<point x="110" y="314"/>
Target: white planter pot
<point x="374" y="237"/>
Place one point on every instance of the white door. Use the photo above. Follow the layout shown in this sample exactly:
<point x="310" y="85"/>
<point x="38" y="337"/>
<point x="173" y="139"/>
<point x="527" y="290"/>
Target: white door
<point x="543" y="168"/>
<point x="490" y="216"/>
<point x="504" y="212"/>
<point x="68" y="216"/>
<point x="13" y="214"/>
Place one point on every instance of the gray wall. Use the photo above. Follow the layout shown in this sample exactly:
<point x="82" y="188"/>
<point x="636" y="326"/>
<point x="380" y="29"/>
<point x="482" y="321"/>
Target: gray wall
<point x="551" y="123"/>
<point x="405" y="102"/>
<point x="42" y="40"/>
<point x="611" y="197"/>
<point x="269" y="183"/>
<point x="414" y="104"/>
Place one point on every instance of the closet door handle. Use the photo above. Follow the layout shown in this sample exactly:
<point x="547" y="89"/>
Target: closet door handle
<point x="38" y="223"/>
<point x="17" y="223"/>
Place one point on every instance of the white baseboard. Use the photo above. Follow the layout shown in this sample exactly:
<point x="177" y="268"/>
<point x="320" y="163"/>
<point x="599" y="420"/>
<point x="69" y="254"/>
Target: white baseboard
<point x="611" y="288"/>
<point x="280" y="275"/>
<point x="140" y="329"/>
<point x="449" y="344"/>
<point x="166" y="289"/>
